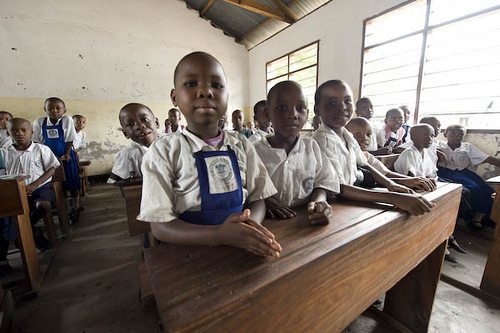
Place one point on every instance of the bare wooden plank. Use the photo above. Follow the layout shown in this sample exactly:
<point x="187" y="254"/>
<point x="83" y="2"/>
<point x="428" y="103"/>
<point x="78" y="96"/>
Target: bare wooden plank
<point x="261" y="9"/>
<point x="286" y="10"/>
<point x="206" y="7"/>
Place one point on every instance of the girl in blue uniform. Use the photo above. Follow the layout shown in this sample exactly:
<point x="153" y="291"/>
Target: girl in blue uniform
<point x="58" y="132"/>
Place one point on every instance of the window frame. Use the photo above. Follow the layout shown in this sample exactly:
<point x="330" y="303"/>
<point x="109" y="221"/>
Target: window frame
<point x="424" y="31"/>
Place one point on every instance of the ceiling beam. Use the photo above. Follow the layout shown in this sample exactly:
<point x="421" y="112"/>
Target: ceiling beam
<point x="206" y="7"/>
<point x="286" y="10"/>
<point x="261" y="9"/>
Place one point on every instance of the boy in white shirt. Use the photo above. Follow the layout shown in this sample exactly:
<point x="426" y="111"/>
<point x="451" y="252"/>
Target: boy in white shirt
<point x="206" y="186"/>
<point x="80" y="141"/>
<point x="37" y="162"/>
<point x="172" y="122"/>
<point x="5" y="139"/>
<point x="140" y="125"/>
<point x="299" y="171"/>
<point x="263" y="125"/>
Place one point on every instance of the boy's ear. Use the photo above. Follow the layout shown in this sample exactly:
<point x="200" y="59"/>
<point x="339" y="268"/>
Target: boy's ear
<point x="173" y="97"/>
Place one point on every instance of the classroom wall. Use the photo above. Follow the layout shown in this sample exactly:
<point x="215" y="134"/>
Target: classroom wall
<point x="99" y="55"/>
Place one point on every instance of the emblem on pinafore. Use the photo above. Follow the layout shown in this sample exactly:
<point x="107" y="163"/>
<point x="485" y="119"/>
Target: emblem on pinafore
<point x="221" y="169"/>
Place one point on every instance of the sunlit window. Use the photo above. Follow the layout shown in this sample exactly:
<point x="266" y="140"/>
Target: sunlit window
<point x="449" y="67"/>
<point x="300" y="66"/>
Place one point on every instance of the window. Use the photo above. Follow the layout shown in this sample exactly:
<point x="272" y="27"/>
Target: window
<point x="300" y="66"/>
<point x="439" y="57"/>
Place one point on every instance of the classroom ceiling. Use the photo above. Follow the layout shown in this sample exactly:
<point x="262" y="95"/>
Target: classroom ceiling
<point x="251" y="22"/>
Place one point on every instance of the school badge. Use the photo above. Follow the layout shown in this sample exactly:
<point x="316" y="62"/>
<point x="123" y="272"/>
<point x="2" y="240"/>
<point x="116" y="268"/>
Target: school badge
<point x="52" y="134"/>
<point x="221" y="176"/>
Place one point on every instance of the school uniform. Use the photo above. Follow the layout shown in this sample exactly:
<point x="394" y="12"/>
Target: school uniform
<point x="343" y="153"/>
<point x="457" y="169"/>
<point x="432" y="150"/>
<point x="180" y="129"/>
<point x="128" y="163"/>
<point x="406" y="135"/>
<point x="387" y="138"/>
<point x="376" y="163"/>
<point x="56" y="136"/>
<point x="416" y="163"/>
<point x="259" y="135"/>
<point x="5" y="139"/>
<point x="80" y="141"/>
<point x="373" y="146"/>
<point x="184" y="177"/>
<point x="246" y="132"/>
<point x="297" y="174"/>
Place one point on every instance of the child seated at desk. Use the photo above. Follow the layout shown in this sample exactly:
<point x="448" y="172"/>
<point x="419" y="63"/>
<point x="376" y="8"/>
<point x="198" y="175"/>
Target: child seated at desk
<point x="37" y="162"/>
<point x="391" y="134"/>
<point x="299" y="171"/>
<point x="333" y="102"/>
<point x="196" y="184"/>
<point x="140" y="125"/>
<point x="361" y="130"/>
<point x="5" y="139"/>
<point x="237" y="119"/>
<point x="461" y="157"/>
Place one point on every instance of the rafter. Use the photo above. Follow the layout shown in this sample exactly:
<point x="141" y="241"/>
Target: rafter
<point x="261" y="9"/>
<point x="286" y="10"/>
<point x="206" y="7"/>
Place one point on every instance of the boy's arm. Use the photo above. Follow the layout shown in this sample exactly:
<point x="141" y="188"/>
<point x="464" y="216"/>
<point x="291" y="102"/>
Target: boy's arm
<point x="258" y="211"/>
<point x="492" y="160"/>
<point x="386" y="182"/>
<point x="414" y="204"/>
<point x="34" y="185"/>
<point x="420" y="183"/>
<point x="318" y="209"/>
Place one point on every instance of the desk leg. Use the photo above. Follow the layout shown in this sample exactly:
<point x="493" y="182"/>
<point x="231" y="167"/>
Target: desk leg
<point x="410" y="301"/>
<point x="61" y="207"/>
<point x="491" y="277"/>
<point x="28" y="251"/>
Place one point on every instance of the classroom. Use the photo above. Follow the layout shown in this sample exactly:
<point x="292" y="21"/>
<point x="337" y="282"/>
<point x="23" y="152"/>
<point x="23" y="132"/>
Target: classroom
<point x="132" y="112"/>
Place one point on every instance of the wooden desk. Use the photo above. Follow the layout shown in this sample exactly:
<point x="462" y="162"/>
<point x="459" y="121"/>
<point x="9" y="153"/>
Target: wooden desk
<point x="84" y="180"/>
<point x="327" y="276"/>
<point x="15" y="203"/>
<point x="491" y="277"/>
<point x="388" y="160"/>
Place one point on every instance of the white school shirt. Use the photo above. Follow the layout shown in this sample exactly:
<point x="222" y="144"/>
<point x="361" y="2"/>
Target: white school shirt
<point x="170" y="179"/>
<point x="258" y="135"/>
<point x="432" y="150"/>
<point x="344" y="157"/>
<point x="80" y="141"/>
<point x="463" y="157"/>
<point x="128" y="162"/>
<point x="5" y="139"/>
<point x="373" y="138"/>
<point x="67" y="125"/>
<point x="420" y="165"/>
<point x="297" y="174"/>
<point x="33" y="161"/>
<point x="376" y="163"/>
<point x="180" y="129"/>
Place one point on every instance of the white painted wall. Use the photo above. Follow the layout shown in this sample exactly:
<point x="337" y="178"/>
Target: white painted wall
<point x="338" y="26"/>
<point x="99" y="55"/>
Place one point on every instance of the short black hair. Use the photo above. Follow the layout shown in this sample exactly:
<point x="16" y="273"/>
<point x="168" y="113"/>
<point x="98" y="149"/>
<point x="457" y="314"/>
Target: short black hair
<point x="78" y="116"/>
<point x="336" y="82"/>
<point x="192" y="54"/>
<point x="428" y="120"/>
<point x="8" y="113"/>
<point x="258" y="105"/>
<point x="54" y="99"/>
<point x="362" y="100"/>
<point x="394" y="111"/>
<point x="132" y="105"/>
<point x="280" y="85"/>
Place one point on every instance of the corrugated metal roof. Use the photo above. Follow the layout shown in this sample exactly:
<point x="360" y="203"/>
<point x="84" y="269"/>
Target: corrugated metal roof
<point x="247" y="27"/>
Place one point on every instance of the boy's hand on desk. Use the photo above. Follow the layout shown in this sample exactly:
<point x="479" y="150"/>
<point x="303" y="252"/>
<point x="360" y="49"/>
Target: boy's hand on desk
<point x="319" y="212"/>
<point x="240" y="231"/>
<point x="413" y="204"/>
<point x="419" y="183"/>
<point x="275" y="210"/>
<point x="393" y="187"/>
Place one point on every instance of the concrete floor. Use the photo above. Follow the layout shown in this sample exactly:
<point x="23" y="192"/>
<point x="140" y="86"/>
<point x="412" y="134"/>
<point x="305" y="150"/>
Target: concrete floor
<point x="93" y="286"/>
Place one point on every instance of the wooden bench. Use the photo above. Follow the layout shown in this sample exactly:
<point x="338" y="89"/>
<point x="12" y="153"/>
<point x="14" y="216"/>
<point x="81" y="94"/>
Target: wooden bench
<point x="326" y="277"/>
<point x="84" y="181"/>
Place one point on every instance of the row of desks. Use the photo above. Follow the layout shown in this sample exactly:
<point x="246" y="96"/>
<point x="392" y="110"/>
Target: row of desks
<point x="327" y="276"/>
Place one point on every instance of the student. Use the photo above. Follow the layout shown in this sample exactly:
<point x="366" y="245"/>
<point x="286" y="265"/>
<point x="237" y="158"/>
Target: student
<point x="5" y="139"/>
<point x="37" y="162"/>
<point x="406" y="127"/>
<point x="196" y="184"/>
<point x="460" y="158"/>
<point x="299" y="171"/>
<point x="316" y="122"/>
<point x="333" y="102"/>
<point x="364" y="109"/>
<point x="362" y="132"/>
<point x="174" y="116"/>
<point x="415" y="161"/>
<point x="263" y="125"/>
<point x="237" y="119"/>
<point x="140" y="125"/>
<point x="80" y="141"/>
<point x="391" y="134"/>
<point x="58" y="132"/>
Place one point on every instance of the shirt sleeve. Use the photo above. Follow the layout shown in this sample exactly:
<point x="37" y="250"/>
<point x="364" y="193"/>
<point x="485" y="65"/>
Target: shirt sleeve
<point x="326" y="177"/>
<point x="378" y="165"/>
<point x="258" y="183"/>
<point x="123" y="166"/>
<point x="37" y="131"/>
<point x="476" y="155"/>
<point x="69" y="129"/>
<point x="157" y="203"/>
<point x="404" y="164"/>
<point x="49" y="160"/>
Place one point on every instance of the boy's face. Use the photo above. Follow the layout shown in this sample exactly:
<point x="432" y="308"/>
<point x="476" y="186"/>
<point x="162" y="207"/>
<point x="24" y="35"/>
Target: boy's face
<point x="237" y="119"/>
<point x="80" y="123"/>
<point x="200" y="91"/>
<point x="436" y="125"/>
<point x="365" y="109"/>
<point x="287" y="110"/>
<point x="394" y="120"/>
<point x="55" y="109"/>
<point x="422" y="137"/>
<point x="174" y="117"/>
<point x="261" y="118"/>
<point x="139" y="125"/>
<point x="406" y="114"/>
<point x="21" y="132"/>
<point x="335" y="106"/>
<point x="4" y="119"/>
<point x="455" y="135"/>
<point x="362" y="134"/>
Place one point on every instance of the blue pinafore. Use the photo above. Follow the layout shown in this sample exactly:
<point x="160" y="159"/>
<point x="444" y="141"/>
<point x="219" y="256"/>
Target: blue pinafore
<point x="53" y="136"/>
<point x="221" y="190"/>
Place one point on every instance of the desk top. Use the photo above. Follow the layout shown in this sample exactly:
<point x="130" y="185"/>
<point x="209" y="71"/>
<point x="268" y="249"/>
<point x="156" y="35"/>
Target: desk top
<point x="189" y="280"/>
<point x="494" y="180"/>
